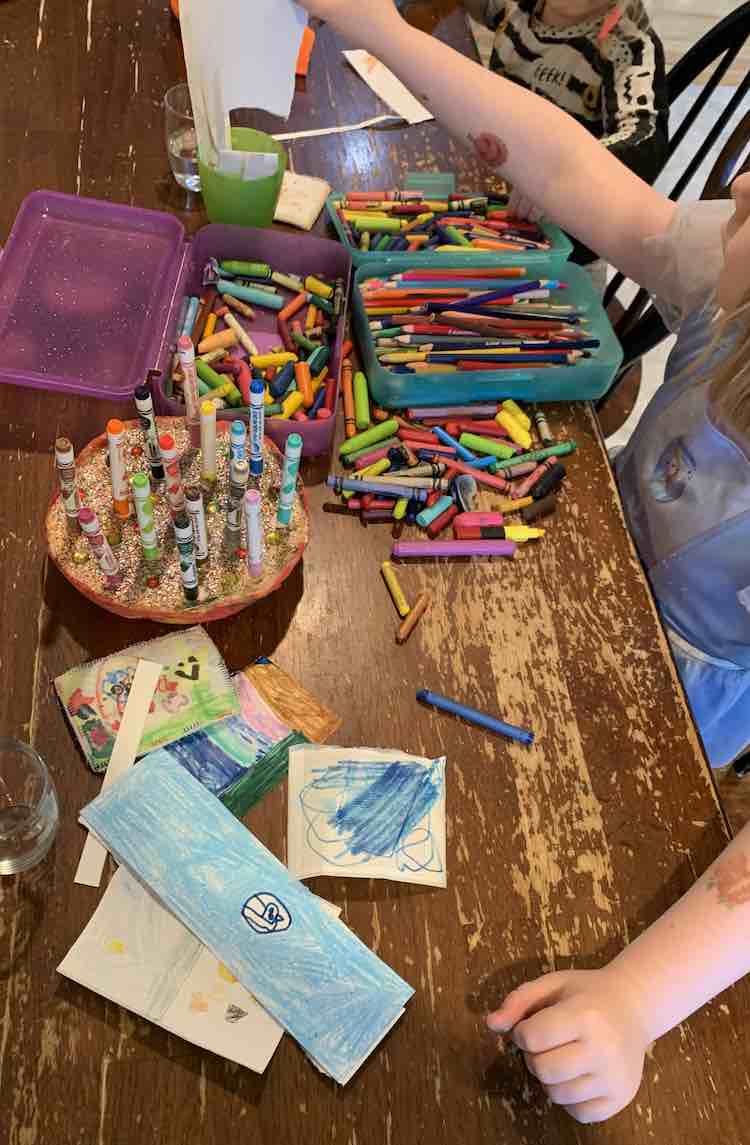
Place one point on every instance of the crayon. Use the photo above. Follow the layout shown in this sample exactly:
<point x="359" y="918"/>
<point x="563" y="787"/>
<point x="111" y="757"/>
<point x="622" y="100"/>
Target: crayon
<point x="471" y="715"/>
<point x="260" y="298"/>
<point x="559" y="450"/>
<point x="292" y="456"/>
<point x="361" y="401"/>
<point x="426" y="549"/>
<point x="347" y="389"/>
<point x="144" y="511"/>
<point x="517" y="533"/>
<point x="428" y="515"/>
<point x="516" y="432"/>
<point x="372" y="436"/>
<point x="316" y="286"/>
<point x="239" y="269"/>
<point x="303" y="378"/>
<point x="197" y="515"/>
<point x="386" y="489"/>
<point x="442" y="521"/>
<point x="548" y="482"/>
<point x="145" y="408"/>
<point x="493" y="446"/>
<point x="175" y="492"/>
<point x="100" y="546"/>
<point x="542" y="508"/>
<point x="292" y="404"/>
<point x="65" y="462"/>
<point x="117" y="473"/>
<point x="221" y="341"/>
<point x="421" y="605"/>
<point x="238" y="305"/>
<point x="542" y="427"/>
<point x="183" y="531"/>
<point x="254" y="529"/>
<point x="394" y="588"/>
<point x="263" y="361"/>
<point x="516" y="412"/>
<point x="477" y="519"/>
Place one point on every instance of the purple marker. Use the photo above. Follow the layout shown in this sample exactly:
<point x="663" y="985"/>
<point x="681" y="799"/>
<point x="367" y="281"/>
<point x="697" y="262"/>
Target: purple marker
<point x="417" y="413"/>
<point x="454" y="549"/>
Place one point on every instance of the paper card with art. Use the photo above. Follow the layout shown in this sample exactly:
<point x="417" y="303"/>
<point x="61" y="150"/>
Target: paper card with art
<point x="367" y="814"/>
<point x="193" y="692"/>
<point x="135" y="953"/>
<point x="306" y="969"/>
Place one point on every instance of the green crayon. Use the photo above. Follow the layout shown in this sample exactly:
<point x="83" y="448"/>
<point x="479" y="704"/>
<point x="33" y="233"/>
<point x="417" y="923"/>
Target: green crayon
<point x="369" y="437"/>
<point x="361" y="401"/>
<point x="558" y="450"/>
<point x="493" y="446"/>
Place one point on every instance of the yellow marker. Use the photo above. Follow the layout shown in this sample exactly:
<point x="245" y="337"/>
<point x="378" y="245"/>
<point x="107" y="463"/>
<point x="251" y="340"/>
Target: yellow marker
<point x="506" y="505"/>
<point x="515" y="430"/>
<point x="315" y="286"/>
<point x="522" y="533"/>
<point x="264" y="361"/>
<point x="399" y="511"/>
<point x="515" y="411"/>
<point x="291" y="404"/>
<point x="394" y="588"/>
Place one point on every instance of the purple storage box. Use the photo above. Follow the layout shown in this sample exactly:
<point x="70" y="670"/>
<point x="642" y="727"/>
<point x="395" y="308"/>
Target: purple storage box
<point x="90" y="294"/>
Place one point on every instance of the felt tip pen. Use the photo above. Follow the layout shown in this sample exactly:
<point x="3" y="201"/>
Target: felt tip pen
<point x="117" y="469"/>
<point x="292" y="457"/>
<point x="257" y="425"/>
<point x="472" y="716"/>
<point x="238" y="438"/>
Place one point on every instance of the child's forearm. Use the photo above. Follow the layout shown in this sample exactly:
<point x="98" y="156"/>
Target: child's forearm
<point x="699" y="947"/>
<point x="541" y="150"/>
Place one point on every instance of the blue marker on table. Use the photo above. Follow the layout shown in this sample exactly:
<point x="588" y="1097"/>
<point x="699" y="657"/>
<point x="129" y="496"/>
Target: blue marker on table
<point x="292" y="456"/>
<point x="257" y="425"/>
<point x="474" y="717"/>
<point x="237" y="439"/>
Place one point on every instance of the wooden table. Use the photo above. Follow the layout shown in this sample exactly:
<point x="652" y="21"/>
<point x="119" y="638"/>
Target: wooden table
<point x="557" y="854"/>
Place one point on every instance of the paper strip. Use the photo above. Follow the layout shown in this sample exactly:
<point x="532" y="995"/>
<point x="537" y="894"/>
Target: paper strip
<point x="319" y="131"/>
<point x="94" y="854"/>
<point x="387" y="87"/>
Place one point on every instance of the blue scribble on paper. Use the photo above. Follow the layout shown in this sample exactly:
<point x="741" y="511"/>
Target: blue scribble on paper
<point x="358" y="810"/>
<point x="266" y="914"/>
<point x="221" y="753"/>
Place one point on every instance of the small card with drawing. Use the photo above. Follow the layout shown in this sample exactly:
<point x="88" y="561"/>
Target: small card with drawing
<point x="366" y="814"/>
<point x="194" y="691"/>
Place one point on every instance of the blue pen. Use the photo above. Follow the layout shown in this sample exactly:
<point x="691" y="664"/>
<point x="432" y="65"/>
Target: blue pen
<point x="257" y="425"/>
<point x="472" y="716"/>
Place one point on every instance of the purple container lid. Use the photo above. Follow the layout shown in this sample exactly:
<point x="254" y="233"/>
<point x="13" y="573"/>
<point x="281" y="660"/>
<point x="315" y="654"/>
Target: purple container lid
<point x="86" y="288"/>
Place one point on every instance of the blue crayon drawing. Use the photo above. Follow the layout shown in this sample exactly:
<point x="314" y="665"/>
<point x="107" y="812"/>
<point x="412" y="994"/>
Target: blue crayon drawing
<point x="266" y="914"/>
<point x="220" y="754"/>
<point x="359" y="813"/>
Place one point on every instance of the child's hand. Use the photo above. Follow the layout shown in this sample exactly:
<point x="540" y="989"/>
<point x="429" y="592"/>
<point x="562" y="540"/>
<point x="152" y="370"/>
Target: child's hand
<point x="583" y="1037"/>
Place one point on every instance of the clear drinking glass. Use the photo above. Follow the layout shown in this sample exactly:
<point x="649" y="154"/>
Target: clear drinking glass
<point x="28" y="807"/>
<point x="182" y="142"/>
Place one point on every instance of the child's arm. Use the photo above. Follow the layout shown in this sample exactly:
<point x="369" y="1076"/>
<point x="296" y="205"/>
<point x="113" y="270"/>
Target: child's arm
<point x="538" y="148"/>
<point x="585" y="1033"/>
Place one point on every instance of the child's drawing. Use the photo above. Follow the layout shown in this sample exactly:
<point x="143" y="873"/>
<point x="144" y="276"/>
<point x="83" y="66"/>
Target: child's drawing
<point x="370" y="814"/>
<point x="194" y="691"/>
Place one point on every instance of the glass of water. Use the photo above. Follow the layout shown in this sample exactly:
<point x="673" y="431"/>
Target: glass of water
<point x="28" y="807"/>
<point x="182" y="142"/>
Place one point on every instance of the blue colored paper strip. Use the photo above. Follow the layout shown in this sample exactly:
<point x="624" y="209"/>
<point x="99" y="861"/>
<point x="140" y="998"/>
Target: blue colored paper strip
<point x="309" y="971"/>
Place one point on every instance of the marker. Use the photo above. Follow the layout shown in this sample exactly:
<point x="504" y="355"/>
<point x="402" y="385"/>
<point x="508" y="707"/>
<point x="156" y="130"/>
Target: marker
<point x="197" y="515"/>
<point x="257" y="427"/>
<point x="183" y="532"/>
<point x="254" y="527"/>
<point x="175" y="494"/>
<point x="238" y="435"/>
<point x="100" y="547"/>
<point x="65" y="460"/>
<point x="472" y="716"/>
<point x="394" y="588"/>
<point x="422" y="549"/>
<point x="292" y="456"/>
<point x="117" y="473"/>
<point x="145" y="406"/>
<point x="238" y="478"/>
<point x="208" y="444"/>
<point x="421" y="604"/>
<point x="186" y="355"/>
<point x="144" y="511"/>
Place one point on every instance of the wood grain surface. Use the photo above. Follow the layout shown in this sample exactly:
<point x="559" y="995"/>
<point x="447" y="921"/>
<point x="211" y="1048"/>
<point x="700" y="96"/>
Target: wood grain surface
<point x="557" y="855"/>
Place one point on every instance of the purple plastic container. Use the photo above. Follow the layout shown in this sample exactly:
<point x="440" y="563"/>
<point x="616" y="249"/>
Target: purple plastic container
<point x="90" y="292"/>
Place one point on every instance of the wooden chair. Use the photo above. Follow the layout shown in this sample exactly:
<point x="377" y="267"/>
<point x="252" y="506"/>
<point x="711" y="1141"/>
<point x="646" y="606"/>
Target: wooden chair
<point x="640" y="328"/>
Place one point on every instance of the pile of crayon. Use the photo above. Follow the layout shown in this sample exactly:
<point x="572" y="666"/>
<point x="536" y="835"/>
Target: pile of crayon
<point x="215" y="340"/>
<point x="410" y="221"/>
<point x="156" y="469"/>
<point x="489" y="318"/>
<point x="430" y="469"/>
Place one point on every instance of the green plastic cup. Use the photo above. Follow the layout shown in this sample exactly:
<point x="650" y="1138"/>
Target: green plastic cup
<point x="230" y="199"/>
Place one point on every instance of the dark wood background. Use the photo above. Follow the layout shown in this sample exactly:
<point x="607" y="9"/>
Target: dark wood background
<point x="557" y="855"/>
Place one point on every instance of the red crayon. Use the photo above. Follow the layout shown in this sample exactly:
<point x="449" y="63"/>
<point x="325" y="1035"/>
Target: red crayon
<point x="442" y="522"/>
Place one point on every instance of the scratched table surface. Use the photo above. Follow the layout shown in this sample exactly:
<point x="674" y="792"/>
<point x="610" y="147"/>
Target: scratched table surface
<point x="557" y="855"/>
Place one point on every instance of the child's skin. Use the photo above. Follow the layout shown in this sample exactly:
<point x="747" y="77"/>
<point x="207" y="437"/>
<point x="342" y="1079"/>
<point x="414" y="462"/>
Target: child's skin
<point x="585" y="1033"/>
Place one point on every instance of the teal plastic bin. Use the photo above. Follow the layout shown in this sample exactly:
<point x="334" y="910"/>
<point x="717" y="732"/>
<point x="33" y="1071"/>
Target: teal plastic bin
<point x="560" y="252"/>
<point x="588" y="380"/>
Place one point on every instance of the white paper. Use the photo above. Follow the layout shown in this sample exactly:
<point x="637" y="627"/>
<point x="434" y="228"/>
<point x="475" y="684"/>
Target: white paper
<point x="239" y="54"/>
<point x="316" y="132"/>
<point x="365" y="813"/>
<point x="135" y="953"/>
<point x="124" y="752"/>
<point x="388" y="87"/>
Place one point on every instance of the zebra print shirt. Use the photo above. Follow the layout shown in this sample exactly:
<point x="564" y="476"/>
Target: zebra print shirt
<point x="617" y="90"/>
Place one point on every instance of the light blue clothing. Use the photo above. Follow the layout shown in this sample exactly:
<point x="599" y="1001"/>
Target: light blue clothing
<point x="685" y="488"/>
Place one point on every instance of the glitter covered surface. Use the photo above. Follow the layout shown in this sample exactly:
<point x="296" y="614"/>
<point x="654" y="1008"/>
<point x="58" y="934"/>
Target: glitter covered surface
<point x="225" y="584"/>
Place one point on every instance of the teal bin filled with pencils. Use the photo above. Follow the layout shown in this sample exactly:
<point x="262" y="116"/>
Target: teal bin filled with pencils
<point x="575" y="361"/>
<point x="557" y="251"/>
